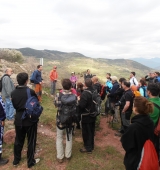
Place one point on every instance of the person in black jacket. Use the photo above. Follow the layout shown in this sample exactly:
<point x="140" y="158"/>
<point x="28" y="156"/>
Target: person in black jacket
<point x="88" y="122"/>
<point x="96" y="85"/>
<point x="113" y="99"/>
<point x="88" y="75"/>
<point x="25" y="127"/>
<point x="140" y="130"/>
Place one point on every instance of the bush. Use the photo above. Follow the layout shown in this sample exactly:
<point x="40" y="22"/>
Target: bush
<point x="11" y="55"/>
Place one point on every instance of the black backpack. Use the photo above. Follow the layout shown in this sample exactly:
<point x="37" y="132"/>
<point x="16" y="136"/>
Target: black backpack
<point x="2" y="80"/>
<point x="95" y="108"/>
<point x="68" y="112"/>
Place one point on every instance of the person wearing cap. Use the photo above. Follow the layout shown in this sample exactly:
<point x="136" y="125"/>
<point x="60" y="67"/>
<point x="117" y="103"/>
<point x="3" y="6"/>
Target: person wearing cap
<point x="73" y="79"/>
<point x="133" y="80"/>
<point x="53" y="77"/>
<point x="112" y="97"/>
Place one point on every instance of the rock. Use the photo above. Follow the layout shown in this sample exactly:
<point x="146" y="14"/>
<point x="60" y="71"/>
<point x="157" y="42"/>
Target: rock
<point x="9" y="136"/>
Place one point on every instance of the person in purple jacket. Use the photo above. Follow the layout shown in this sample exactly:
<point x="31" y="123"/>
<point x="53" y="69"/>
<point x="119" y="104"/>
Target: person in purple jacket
<point x="73" y="79"/>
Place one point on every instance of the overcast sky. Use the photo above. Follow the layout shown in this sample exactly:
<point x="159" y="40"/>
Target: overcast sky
<point x="95" y="28"/>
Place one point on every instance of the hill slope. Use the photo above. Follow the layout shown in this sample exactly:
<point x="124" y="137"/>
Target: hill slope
<point x="68" y="62"/>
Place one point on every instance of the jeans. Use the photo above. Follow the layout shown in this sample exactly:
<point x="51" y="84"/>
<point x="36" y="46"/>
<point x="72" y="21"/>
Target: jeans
<point x="53" y="87"/>
<point x="9" y="109"/>
<point x="1" y="136"/>
<point x="59" y="144"/>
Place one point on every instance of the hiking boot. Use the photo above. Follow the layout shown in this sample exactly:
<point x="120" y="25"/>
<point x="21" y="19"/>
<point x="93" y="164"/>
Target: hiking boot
<point x="60" y="160"/>
<point x="3" y="161"/>
<point x="68" y="159"/>
<point x="15" y="163"/>
<point x="83" y="150"/>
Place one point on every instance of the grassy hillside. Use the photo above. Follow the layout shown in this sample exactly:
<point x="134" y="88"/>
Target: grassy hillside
<point x="68" y="62"/>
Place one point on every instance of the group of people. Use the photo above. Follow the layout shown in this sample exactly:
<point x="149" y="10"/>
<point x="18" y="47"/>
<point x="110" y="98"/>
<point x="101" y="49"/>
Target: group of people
<point x="121" y="101"/>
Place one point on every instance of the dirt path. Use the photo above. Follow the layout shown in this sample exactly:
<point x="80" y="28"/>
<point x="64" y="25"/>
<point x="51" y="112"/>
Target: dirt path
<point x="104" y="137"/>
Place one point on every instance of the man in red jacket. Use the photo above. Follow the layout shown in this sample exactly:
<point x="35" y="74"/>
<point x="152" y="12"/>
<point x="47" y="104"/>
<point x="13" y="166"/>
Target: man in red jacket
<point x="53" y="77"/>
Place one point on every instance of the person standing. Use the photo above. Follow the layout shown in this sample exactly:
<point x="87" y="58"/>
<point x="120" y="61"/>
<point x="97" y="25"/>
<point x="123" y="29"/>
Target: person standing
<point x="113" y="99"/>
<point x="153" y="93"/>
<point x="133" y="80"/>
<point x="88" y="122"/>
<point x="25" y="127"/>
<point x="73" y="79"/>
<point x="126" y="102"/>
<point x="53" y="77"/>
<point x="37" y="77"/>
<point x="61" y="127"/>
<point x="2" y="123"/>
<point x="7" y="88"/>
<point x="139" y="131"/>
<point x="88" y="75"/>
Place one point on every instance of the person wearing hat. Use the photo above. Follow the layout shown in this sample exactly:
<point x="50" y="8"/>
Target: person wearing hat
<point x="133" y="80"/>
<point x="53" y="77"/>
<point x="73" y="79"/>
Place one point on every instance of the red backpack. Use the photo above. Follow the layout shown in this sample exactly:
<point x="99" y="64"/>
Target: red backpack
<point x="103" y="92"/>
<point x="149" y="158"/>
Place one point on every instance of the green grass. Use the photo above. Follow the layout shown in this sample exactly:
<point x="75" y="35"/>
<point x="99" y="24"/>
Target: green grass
<point x="105" y="158"/>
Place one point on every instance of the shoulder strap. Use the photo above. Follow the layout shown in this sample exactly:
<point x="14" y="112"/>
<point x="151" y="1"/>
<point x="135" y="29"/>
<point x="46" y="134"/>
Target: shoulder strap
<point x="134" y="82"/>
<point x="156" y="105"/>
<point x="28" y="93"/>
<point x="88" y="91"/>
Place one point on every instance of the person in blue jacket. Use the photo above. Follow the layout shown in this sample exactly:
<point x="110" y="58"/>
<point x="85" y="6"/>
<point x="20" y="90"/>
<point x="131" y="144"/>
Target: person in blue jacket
<point x="109" y="87"/>
<point x="2" y="120"/>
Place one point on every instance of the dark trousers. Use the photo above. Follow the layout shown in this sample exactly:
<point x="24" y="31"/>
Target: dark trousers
<point x="88" y="130"/>
<point x="21" y="132"/>
<point x="107" y="106"/>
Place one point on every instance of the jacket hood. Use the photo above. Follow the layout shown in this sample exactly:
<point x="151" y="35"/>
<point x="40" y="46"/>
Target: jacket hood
<point x="142" y="119"/>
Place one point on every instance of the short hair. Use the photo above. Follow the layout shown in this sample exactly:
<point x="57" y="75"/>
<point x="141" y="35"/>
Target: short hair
<point x="94" y="79"/>
<point x="109" y="74"/>
<point x="153" y="88"/>
<point x="88" y="82"/>
<point x="143" y="82"/>
<point x="122" y="79"/>
<point x="157" y="73"/>
<point x="88" y="70"/>
<point x="133" y="73"/>
<point x="22" y="78"/>
<point x="114" y="78"/>
<point x="142" y="105"/>
<point x="39" y="66"/>
<point x="66" y="84"/>
<point x="126" y="83"/>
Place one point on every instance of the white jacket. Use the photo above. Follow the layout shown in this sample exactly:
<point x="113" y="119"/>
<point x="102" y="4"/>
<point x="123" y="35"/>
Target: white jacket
<point x="133" y="81"/>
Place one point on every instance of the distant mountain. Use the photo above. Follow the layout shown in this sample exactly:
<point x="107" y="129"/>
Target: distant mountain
<point x="152" y="63"/>
<point x="68" y="62"/>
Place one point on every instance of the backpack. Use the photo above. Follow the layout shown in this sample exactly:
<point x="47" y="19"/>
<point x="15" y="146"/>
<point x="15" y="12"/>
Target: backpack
<point x="157" y="127"/>
<point x="149" y="158"/>
<point x="95" y="108"/>
<point x="68" y="112"/>
<point x="144" y="90"/>
<point x="33" y="109"/>
<point x="158" y="79"/>
<point x="32" y="77"/>
<point x="103" y="92"/>
<point x="136" y="93"/>
<point x="2" y="80"/>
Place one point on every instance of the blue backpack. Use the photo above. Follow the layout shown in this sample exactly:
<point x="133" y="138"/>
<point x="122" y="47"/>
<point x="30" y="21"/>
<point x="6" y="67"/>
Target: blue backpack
<point x="33" y="109"/>
<point x="158" y="79"/>
<point x="32" y="77"/>
<point x="145" y="91"/>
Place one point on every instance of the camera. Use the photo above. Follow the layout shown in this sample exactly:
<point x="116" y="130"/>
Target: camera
<point x="119" y="103"/>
